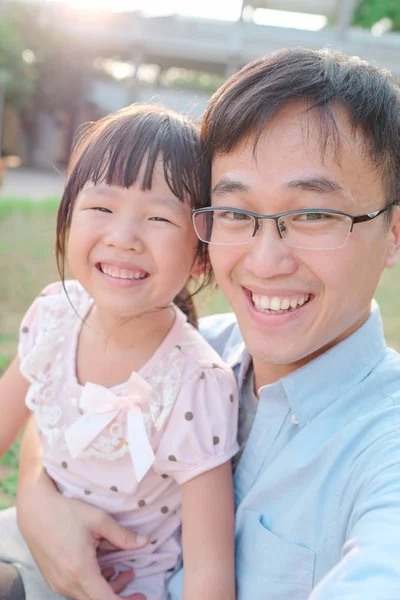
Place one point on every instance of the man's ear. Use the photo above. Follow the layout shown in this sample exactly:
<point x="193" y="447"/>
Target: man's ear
<point x="393" y="239"/>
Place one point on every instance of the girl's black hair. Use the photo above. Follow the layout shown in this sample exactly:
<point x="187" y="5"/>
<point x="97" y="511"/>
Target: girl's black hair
<point x="127" y="144"/>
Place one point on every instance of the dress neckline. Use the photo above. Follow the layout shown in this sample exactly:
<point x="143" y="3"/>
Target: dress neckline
<point x="179" y="320"/>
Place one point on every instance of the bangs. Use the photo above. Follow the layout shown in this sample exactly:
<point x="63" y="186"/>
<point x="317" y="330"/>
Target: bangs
<point x="119" y="149"/>
<point x="125" y="148"/>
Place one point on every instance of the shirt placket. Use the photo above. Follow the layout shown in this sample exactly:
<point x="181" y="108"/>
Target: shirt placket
<point x="272" y="414"/>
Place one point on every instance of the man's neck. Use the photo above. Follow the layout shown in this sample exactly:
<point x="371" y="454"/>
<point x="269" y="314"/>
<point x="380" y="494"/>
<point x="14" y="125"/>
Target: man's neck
<point x="265" y="373"/>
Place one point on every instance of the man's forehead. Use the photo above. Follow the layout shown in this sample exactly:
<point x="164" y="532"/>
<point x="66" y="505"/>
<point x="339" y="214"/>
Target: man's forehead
<point x="296" y="145"/>
<point x="321" y="133"/>
<point x="350" y="184"/>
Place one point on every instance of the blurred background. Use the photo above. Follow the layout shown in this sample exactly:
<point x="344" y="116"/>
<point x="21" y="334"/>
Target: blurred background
<point x="66" y="62"/>
<point x="62" y="63"/>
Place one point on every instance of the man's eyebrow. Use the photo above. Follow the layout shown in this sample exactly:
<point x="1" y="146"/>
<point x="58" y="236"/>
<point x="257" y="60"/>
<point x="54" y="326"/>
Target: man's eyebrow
<point x="319" y="185"/>
<point x="229" y="186"/>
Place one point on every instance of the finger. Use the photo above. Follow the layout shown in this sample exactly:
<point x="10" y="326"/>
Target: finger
<point x="98" y="592"/>
<point x="135" y="597"/>
<point x="119" y="583"/>
<point x="108" y="573"/>
<point x="107" y="547"/>
<point x="94" y="587"/>
<point x="119" y="536"/>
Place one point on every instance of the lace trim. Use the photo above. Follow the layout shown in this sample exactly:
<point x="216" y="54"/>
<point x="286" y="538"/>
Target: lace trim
<point x="43" y="367"/>
<point x="111" y="444"/>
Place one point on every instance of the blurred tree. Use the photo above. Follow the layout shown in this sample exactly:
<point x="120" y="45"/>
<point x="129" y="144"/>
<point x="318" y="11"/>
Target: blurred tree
<point x="18" y="83"/>
<point x="367" y="13"/>
<point x="370" y="12"/>
<point x="48" y="70"/>
<point x="186" y="79"/>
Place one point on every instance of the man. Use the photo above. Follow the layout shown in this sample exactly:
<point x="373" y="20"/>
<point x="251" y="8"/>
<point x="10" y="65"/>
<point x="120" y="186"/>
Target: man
<point x="305" y="155"/>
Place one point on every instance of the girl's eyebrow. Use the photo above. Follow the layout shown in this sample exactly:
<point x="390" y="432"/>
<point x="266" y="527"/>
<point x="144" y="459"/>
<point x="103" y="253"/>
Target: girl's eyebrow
<point x="173" y="201"/>
<point x="98" y="190"/>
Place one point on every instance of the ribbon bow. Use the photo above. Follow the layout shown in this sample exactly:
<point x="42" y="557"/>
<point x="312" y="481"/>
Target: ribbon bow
<point x="101" y="407"/>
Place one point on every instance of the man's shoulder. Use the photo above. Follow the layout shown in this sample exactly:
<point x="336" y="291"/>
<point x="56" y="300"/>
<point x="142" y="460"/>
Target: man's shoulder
<point x="222" y="333"/>
<point x="388" y="408"/>
<point x="376" y="401"/>
<point x="387" y="375"/>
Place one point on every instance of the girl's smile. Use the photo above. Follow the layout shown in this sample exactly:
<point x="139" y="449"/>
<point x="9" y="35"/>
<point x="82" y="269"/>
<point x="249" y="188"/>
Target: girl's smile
<point x="132" y="249"/>
<point x="122" y="274"/>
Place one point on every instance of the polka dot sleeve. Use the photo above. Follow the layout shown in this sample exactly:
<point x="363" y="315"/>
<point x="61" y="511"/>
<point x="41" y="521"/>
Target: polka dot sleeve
<point x="29" y="328"/>
<point x="202" y="430"/>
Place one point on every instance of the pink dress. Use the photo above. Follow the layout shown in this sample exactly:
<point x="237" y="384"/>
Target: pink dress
<point x="127" y="449"/>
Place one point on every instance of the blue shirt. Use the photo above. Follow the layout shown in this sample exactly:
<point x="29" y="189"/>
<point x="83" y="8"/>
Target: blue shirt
<point x="318" y="484"/>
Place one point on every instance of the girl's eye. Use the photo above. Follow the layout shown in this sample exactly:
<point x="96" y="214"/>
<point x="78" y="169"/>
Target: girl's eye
<point x="102" y="209"/>
<point x="159" y="219"/>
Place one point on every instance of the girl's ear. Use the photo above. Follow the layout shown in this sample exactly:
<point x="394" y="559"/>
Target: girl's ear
<point x="200" y="266"/>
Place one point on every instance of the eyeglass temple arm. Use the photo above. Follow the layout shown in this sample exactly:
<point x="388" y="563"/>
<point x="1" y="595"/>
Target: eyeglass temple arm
<point x="370" y="216"/>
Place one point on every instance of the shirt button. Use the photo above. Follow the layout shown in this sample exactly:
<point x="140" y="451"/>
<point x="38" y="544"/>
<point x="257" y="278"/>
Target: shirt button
<point x="294" y="420"/>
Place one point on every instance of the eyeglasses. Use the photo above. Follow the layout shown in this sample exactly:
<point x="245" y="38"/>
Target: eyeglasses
<point x="311" y="229"/>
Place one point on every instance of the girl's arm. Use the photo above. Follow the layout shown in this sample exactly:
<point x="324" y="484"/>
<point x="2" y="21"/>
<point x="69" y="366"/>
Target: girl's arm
<point x="208" y="524"/>
<point x="13" y="412"/>
<point x="63" y="534"/>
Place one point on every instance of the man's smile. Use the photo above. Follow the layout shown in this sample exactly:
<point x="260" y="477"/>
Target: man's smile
<point x="278" y="305"/>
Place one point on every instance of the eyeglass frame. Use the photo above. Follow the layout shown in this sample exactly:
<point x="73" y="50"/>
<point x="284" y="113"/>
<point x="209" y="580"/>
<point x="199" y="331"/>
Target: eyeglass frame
<point x="259" y="217"/>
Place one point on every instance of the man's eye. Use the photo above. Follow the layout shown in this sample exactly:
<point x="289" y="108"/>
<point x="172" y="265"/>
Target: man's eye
<point x="231" y="215"/>
<point x="312" y="216"/>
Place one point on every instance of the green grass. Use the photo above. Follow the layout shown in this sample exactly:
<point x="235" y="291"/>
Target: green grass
<point x="27" y="264"/>
<point x="9" y="480"/>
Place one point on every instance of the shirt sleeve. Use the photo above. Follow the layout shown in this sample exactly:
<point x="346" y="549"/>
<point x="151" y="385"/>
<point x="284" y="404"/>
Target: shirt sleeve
<point x="29" y="328"/>
<point x="175" y="585"/>
<point x="202" y="429"/>
<point x="370" y="564"/>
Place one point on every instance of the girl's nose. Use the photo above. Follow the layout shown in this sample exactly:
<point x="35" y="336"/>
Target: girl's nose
<point x="268" y="255"/>
<point x="125" y="236"/>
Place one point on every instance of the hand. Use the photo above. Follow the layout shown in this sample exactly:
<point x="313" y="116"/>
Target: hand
<point x="119" y="583"/>
<point x="63" y="535"/>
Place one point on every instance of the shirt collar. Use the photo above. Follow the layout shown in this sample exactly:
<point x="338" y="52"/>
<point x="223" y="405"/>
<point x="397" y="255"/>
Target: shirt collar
<point x="239" y="361"/>
<point x="312" y="388"/>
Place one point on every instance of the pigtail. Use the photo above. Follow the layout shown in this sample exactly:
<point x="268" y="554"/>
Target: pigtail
<point x="184" y="301"/>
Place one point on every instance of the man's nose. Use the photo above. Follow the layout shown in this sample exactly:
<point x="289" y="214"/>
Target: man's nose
<point x="268" y="255"/>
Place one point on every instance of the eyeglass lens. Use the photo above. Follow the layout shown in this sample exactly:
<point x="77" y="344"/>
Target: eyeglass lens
<point x="312" y="230"/>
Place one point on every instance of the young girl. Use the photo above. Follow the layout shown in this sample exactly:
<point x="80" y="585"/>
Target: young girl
<point x="137" y="414"/>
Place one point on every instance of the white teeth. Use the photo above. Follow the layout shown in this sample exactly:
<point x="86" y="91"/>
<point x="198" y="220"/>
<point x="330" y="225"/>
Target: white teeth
<point x="122" y="273"/>
<point x="275" y="303"/>
<point x="264" y="302"/>
<point x="285" y="303"/>
<point x="278" y="305"/>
